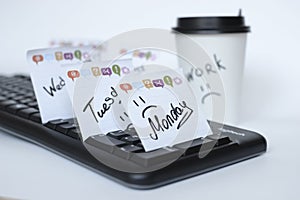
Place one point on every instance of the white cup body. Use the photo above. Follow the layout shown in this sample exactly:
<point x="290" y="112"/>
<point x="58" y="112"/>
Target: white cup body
<point x="228" y="52"/>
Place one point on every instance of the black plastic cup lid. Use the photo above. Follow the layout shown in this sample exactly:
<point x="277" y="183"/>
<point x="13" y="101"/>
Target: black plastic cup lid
<point x="212" y="25"/>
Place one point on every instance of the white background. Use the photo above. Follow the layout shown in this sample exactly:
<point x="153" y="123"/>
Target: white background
<point x="270" y="103"/>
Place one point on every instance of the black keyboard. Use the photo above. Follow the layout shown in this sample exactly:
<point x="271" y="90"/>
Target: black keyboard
<point x="19" y="115"/>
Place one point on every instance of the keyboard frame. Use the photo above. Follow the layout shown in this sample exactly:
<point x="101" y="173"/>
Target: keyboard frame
<point x="244" y="147"/>
<point x="75" y="151"/>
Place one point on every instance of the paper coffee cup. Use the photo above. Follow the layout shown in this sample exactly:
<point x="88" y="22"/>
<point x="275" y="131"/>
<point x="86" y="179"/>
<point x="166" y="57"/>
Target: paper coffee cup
<point x="224" y="39"/>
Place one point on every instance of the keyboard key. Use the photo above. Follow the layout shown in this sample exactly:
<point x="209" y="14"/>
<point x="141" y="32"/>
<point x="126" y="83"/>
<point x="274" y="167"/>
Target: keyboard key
<point x="74" y="133"/>
<point x="139" y="144"/>
<point x="21" y="76"/>
<point x="29" y="95"/>
<point x="2" y="98"/>
<point x="5" y="92"/>
<point x="132" y="148"/>
<point x="18" y="98"/>
<point x="131" y="139"/>
<point x="23" y="92"/>
<point x="52" y="124"/>
<point x="27" y="112"/>
<point x="189" y="144"/>
<point x="117" y="134"/>
<point x="104" y="143"/>
<point x="9" y="87"/>
<point x="221" y="140"/>
<point x="131" y="131"/>
<point x="72" y="121"/>
<point x="36" y="117"/>
<point x="25" y="101"/>
<point x="6" y="103"/>
<point x="126" y="151"/>
<point x="64" y="128"/>
<point x="11" y="95"/>
<point x="15" y="108"/>
<point x="194" y="146"/>
<point x="16" y="90"/>
<point x="156" y="157"/>
<point x="33" y="104"/>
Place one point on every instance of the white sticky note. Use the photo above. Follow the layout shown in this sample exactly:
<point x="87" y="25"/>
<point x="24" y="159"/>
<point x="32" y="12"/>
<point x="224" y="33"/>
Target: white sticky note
<point x="164" y="111"/>
<point x="49" y="79"/>
<point x="95" y="94"/>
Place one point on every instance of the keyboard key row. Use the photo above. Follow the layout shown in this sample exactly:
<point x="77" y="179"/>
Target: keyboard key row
<point x="129" y="147"/>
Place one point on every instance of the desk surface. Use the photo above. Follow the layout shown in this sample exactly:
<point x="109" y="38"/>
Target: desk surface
<point x="30" y="172"/>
